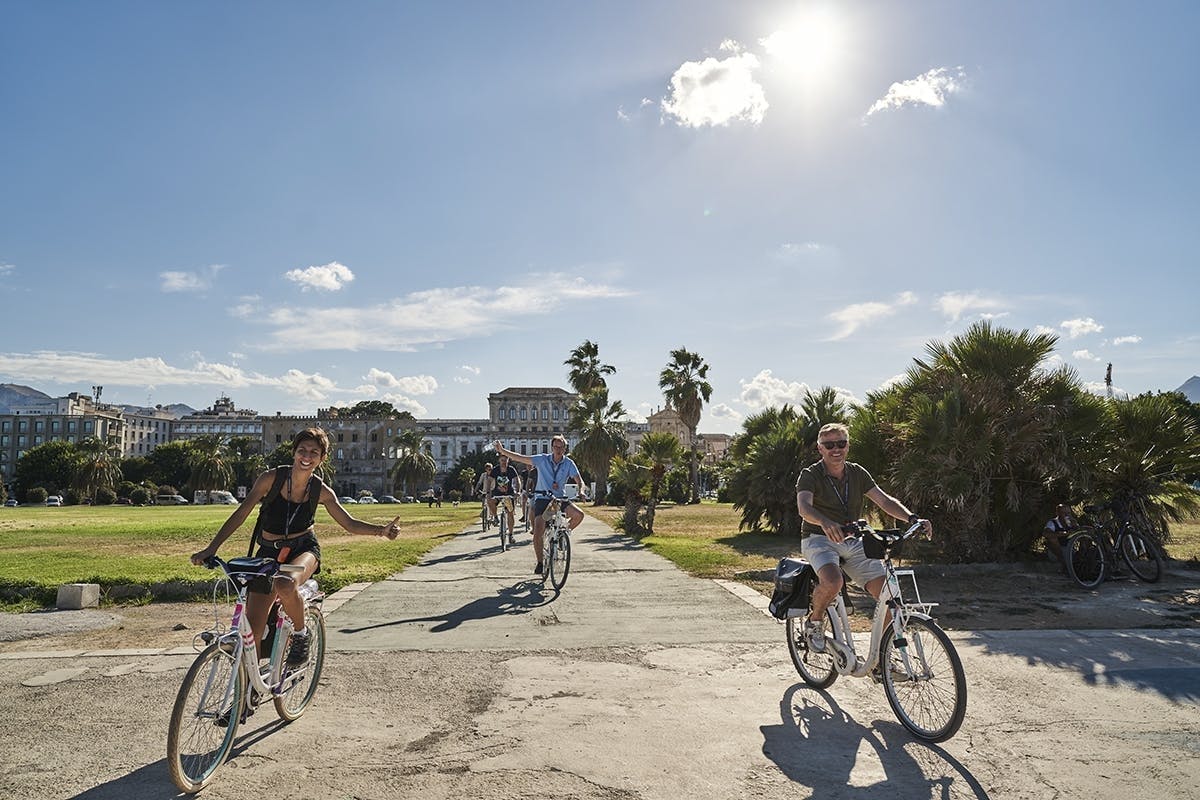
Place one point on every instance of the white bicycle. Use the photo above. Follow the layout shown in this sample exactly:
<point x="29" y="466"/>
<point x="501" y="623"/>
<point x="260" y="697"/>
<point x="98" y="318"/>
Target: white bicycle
<point x="921" y="672"/>
<point x="504" y="508"/>
<point x="556" y="550"/>
<point x="213" y="701"/>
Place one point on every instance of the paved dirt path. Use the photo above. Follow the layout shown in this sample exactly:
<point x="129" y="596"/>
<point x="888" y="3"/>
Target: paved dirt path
<point x="461" y="677"/>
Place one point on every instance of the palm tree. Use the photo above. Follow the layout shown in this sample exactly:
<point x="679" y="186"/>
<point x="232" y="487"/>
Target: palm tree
<point x="686" y="388"/>
<point x="659" y="451"/>
<point x="601" y="429"/>
<point x="632" y="475"/>
<point x="587" y="373"/>
<point x="99" y="468"/>
<point x="413" y="462"/>
<point x="212" y="467"/>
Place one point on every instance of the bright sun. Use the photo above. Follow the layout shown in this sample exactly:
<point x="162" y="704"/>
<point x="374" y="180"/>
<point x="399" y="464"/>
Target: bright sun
<point x="809" y="45"/>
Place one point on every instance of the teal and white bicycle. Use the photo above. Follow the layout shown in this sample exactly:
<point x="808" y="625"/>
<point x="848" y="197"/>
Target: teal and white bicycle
<point x="227" y="681"/>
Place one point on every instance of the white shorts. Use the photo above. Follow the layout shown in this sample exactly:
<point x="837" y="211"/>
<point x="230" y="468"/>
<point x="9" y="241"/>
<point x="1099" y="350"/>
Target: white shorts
<point x="820" y="551"/>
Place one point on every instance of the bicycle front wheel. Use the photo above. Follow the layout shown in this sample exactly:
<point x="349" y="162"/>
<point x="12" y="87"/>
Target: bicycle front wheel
<point x="291" y="704"/>
<point x="1141" y="555"/>
<point x="817" y="669"/>
<point x="205" y="718"/>
<point x="503" y="530"/>
<point x="486" y="519"/>
<point x="929" y="692"/>
<point x="560" y="559"/>
<point x="1085" y="559"/>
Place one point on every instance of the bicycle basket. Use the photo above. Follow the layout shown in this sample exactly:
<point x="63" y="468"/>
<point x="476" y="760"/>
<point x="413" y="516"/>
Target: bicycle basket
<point x="881" y="544"/>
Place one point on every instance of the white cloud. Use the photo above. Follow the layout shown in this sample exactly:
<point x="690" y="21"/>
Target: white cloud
<point x="434" y="316"/>
<point x="7" y="269"/>
<point x="621" y="115"/>
<point x="415" y="384"/>
<point x="1080" y="327"/>
<point x="955" y="305"/>
<point x="716" y="91"/>
<point x="328" y="277"/>
<point x="1043" y="329"/>
<point x="246" y="307"/>
<point x="462" y="380"/>
<point x="853" y="317"/>
<point x="765" y="390"/>
<point x="1126" y="340"/>
<point x="793" y="251"/>
<point x="723" y="411"/>
<point x="199" y="281"/>
<point x="1085" y="355"/>
<point x="930" y="89"/>
<point x="470" y="369"/>
<point x="403" y="403"/>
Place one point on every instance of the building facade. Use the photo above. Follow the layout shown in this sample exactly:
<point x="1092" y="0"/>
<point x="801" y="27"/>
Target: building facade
<point x="145" y="429"/>
<point x="222" y="419"/>
<point x="72" y="418"/>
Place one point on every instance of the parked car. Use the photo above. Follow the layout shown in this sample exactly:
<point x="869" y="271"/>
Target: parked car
<point x="11" y="503"/>
<point x="171" y="500"/>
<point x="387" y="498"/>
<point x="408" y="498"/>
<point x="347" y="501"/>
<point x="367" y="499"/>
<point x="54" y="500"/>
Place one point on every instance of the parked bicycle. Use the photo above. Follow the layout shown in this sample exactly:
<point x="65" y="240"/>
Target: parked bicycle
<point x="556" y="553"/>
<point x="227" y="681"/>
<point x="909" y="654"/>
<point x="1092" y="552"/>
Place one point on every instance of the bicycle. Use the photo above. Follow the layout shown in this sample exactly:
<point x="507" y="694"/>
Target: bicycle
<point x="503" y="510"/>
<point x="917" y="664"/>
<point x="212" y="700"/>
<point x="485" y="516"/>
<point x="556" y="552"/>
<point x="1091" y="552"/>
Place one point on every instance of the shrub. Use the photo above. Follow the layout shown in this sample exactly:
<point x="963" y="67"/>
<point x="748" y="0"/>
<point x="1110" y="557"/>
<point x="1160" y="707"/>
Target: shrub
<point x="105" y="496"/>
<point x="140" y="497"/>
<point x="455" y="495"/>
<point x="73" y="497"/>
<point x="36" y="495"/>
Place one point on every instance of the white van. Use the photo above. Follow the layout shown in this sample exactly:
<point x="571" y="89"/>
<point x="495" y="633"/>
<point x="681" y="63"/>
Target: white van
<point x="170" y="500"/>
<point x="216" y="497"/>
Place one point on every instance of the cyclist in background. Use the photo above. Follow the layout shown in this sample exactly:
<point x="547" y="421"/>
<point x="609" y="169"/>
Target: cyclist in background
<point x="505" y="486"/>
<point x="554" y="471"/>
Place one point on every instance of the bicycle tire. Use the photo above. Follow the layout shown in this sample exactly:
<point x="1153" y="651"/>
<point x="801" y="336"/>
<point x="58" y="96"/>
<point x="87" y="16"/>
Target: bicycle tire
<point x="487" y="520"/>
<point x="196" y="744"/>
<point x="931" y="702"/>
<point x="1140" y="555"/>
<point x="292" y="703"/>
<point x="1086" y="561"/>
<point x="503" y="531"/>
<point x="560" y="559"/>
<point x="816" y="669"/>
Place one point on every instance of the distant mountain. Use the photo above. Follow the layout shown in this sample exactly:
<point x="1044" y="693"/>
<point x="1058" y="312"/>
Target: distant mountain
<point x="1191" y="389"/>
<point x="16" y="394"/>
<point x="176" y="410"/>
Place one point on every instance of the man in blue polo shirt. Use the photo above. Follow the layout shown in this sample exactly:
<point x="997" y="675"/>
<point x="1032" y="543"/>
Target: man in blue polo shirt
<point x="554" y="471"/>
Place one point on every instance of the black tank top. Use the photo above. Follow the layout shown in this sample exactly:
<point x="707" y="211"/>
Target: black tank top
<point x="281" y="517"/>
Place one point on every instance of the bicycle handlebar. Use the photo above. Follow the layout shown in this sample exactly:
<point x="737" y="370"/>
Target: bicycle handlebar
<point x="860" y="526"/>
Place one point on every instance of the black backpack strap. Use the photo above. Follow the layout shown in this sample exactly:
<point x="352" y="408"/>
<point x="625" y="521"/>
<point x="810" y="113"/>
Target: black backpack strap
<point x="315" y="485"/>
<point x="281" y="475"/>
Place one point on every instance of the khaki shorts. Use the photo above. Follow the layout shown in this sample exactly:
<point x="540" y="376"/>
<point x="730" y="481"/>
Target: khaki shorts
<point x="819" y="551"/>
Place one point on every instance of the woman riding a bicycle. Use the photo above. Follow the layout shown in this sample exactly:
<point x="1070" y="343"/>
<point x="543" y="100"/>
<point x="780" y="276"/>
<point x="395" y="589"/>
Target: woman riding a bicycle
<point x="285" y="533"/>
<point x="830" y="494"/>
<point x="554" y="471"/>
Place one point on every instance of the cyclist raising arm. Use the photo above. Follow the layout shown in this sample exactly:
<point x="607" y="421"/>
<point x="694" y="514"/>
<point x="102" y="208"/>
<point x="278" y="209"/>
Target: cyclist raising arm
<point x="554" y="471"/>
<point x="830" y="494"/>
<point x="286" y="525"/>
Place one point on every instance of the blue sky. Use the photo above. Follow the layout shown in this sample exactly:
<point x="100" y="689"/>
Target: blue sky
<point x="310" y="204"/>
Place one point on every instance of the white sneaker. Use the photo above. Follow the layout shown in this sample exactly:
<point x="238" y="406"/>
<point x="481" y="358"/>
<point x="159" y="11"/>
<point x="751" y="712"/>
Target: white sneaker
<point x="814" y="635"/>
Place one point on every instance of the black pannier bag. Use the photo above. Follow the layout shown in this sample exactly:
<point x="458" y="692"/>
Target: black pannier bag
<point x="792" y="579"/>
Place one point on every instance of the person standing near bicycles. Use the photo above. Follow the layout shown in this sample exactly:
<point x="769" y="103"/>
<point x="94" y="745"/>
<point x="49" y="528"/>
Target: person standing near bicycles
<point x="505" y="486"/>
<point x="285" y="533"/>
<point x="554" y="471"/>
<point x="830" y="494"/>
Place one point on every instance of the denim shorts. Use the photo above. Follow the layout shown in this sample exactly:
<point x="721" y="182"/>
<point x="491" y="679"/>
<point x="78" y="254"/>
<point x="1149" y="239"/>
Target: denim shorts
<point x="819" y="551"/>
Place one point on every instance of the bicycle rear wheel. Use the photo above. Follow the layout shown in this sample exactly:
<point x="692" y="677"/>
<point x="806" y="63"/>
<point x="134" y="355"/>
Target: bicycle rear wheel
<point x="487" y="520"/>
<point x="504" y="535"/>
<point x="817" y="669"/>
<point x="214" y="689"/>
<point x="560" y="559"/>
<point x="292" y="703"/>
<point x="929" y="697"/>
<point x="1085" y="559"/>
<point x="1141" y="555"/>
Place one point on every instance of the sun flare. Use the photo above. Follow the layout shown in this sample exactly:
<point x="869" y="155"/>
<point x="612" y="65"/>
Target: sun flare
<point x="809" y="45"/>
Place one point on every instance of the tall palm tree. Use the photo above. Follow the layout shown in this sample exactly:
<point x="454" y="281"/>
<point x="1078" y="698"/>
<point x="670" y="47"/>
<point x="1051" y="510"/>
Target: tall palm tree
<point x="601" y="429"/>
<point x="587" y="373"/>
<point x="632" y="475"/>
<point x="685" y="385"/>
<point x="99" y="467"/>
<point x="212" y="467"/>
<point x="659" y="451"/>
<point x="413" y="462"/>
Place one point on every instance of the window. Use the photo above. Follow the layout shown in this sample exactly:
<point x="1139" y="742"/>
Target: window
<point x="341" y="453"/>
<point x="375" y="436"/>
<point x="70" y="426"/>
<point x="89" y="425"/>
<point x="340" y="437"/>
<point x="445" y="449"/>
<point x="37" y="440"/>
<point x="555" y="414"/>
<point x="354" y="437"/>
<point x="20" y="442"/>
<point x="22" y="425"/>
<point x="6" y="426"/>
<point x="39" y="426"/>
<point x="4" y="440"/>
<point x="522" y="448"/>
<point x="464" y="448"/>
<point x="524" y="412"/>
<point x="278" y="438"/>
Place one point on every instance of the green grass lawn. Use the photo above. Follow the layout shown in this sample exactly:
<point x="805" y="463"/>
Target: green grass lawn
<point x="124" y="546"/>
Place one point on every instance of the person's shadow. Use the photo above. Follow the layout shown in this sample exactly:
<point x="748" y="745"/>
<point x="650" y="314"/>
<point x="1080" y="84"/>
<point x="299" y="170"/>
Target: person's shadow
<point x="520" y="598"/>
<point x="817" y="745"/>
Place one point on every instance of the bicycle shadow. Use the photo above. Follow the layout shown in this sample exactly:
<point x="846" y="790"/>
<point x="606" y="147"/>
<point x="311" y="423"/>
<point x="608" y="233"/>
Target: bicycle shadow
<point x="818" y="745"/>
<point x="520" y="598"/>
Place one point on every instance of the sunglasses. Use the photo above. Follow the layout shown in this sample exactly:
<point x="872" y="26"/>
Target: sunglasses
<point x="839" y="444"/>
